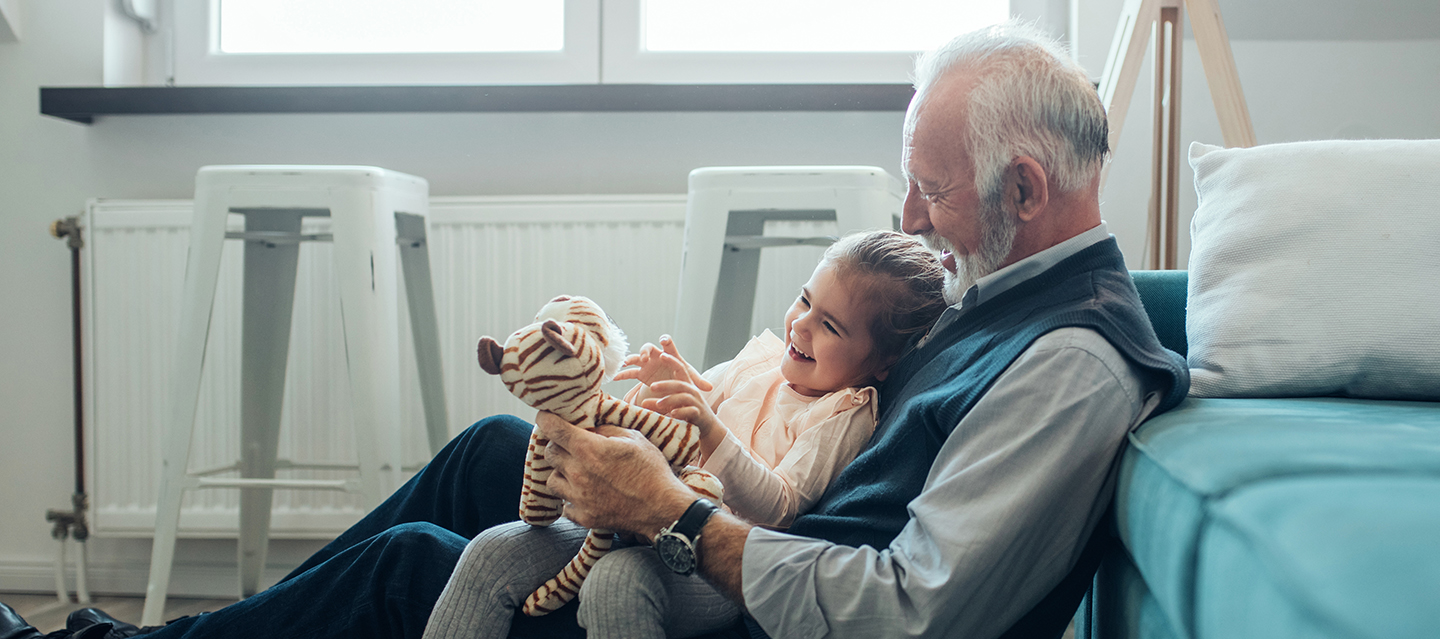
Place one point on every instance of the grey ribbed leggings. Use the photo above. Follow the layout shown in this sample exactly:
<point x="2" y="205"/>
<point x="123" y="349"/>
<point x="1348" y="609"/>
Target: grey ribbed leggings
<point x="629" y="593"/>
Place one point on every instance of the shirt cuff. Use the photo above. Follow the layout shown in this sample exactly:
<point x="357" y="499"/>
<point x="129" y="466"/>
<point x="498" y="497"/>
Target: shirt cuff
<point x="778" y="582"/>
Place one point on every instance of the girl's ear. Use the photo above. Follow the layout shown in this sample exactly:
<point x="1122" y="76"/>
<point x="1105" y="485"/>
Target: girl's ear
<point x="885" y="367"/>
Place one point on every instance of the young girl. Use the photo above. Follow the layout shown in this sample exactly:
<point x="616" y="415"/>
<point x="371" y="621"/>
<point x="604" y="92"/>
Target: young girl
<point x="777" y="424"/>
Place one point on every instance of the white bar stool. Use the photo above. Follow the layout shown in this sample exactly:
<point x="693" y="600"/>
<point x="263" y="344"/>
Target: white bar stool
<point x="724" y="233"/>
<point x="377" y="224"/>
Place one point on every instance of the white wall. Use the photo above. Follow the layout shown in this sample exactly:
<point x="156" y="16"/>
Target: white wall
<point x="1296" y="90"/>
<point x="48" y="168"/>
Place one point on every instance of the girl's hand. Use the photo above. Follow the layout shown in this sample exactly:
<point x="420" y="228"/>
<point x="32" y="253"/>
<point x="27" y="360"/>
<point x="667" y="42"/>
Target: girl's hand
<point x="682" y="400"/>
<point x="657" y="364"/>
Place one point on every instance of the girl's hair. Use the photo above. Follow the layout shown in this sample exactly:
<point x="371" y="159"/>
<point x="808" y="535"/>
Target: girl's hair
<point x="903" y="279"/>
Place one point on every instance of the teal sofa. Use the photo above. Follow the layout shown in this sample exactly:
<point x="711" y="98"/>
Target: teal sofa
<point x="1270" y="518"/>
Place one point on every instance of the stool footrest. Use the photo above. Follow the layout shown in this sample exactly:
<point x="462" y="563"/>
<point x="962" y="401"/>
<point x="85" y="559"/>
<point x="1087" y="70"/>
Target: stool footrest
<point x="278" y="237"/>
<point x="348" y="485"/>
<point x="744" y="242"/>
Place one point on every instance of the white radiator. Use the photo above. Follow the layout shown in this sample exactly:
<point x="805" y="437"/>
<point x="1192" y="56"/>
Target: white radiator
<point x="495" y="261"/>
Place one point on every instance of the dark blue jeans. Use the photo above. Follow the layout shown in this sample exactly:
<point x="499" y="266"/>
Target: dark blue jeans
<point x="381" y="577"/>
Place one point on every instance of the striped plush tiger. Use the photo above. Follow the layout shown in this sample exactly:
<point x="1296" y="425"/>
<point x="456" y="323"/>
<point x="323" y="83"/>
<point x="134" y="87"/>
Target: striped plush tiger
<point x="557" y="364"/>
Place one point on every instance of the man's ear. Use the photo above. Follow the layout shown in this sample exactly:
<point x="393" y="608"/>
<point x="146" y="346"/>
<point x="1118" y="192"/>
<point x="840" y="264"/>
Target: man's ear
<point x="1027" y="188"/>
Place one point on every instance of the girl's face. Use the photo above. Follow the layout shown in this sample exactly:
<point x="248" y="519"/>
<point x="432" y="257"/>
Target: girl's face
<point x="827" y="336"/>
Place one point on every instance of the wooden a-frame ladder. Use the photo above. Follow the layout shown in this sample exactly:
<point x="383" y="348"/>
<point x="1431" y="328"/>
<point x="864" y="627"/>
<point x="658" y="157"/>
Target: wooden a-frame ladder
<point x="1140" y="21"/>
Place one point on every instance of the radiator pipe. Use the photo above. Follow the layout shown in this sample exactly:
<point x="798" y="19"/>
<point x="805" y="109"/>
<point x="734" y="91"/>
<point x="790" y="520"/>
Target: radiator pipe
<point x="72" y="523"/>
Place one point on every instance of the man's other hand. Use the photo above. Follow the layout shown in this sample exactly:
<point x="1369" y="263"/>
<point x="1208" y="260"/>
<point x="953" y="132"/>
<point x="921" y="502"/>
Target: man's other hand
<point x="612" y="478"/>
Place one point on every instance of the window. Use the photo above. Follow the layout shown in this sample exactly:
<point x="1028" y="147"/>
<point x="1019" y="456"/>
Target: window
<point x="356" y="42"/>
<point x="382" y="26"/>
<point x="278" y="42"/>
<point x="794" y="41"/>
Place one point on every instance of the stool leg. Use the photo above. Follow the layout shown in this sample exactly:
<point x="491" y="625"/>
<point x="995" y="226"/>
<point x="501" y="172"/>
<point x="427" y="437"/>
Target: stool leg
<point x="202" y="270"/>
<point x="269" y="300"/>
<point x="729" y="326"/>
<point x="424" y="326"/>
<point x="365" y="265"/>
<point x="699" y="276"/>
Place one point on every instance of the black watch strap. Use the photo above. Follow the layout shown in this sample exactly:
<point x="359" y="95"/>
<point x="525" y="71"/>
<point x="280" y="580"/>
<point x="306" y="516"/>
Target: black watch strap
<point x="690" y="523"/>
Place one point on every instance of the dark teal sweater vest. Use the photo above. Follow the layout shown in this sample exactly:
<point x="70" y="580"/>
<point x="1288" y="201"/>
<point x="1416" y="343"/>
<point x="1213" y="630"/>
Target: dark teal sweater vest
<point x="928" y="392"/>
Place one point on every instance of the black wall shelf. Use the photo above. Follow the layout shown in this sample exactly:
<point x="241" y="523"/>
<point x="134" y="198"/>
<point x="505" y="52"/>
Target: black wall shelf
<point x="84" y="104"/>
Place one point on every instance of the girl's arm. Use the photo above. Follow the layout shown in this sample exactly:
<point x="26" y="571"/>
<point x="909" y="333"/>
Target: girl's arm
<point x="774" y="497"/>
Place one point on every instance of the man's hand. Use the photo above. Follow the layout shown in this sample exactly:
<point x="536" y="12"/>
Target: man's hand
<point x="612" y="478"/>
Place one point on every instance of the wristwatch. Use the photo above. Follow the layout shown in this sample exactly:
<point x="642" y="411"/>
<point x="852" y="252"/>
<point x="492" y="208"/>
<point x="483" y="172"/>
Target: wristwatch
<point x="676" y="543"/>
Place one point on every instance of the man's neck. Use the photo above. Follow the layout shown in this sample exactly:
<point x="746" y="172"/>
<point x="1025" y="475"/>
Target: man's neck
<point x="1067" y="215"/>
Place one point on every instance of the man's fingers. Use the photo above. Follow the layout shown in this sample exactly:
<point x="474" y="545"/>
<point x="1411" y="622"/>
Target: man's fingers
<point x="559" y="431"/>
<point x="618" y="432"/>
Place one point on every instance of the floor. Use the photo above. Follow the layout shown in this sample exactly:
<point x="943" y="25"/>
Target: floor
<point x="46" y="613"/>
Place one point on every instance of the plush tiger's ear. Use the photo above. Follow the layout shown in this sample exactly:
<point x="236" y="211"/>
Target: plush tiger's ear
<point x="550" y="330"/>
<point x="489" y="352"/>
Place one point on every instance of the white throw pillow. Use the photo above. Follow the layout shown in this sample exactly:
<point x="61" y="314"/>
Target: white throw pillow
<point x="1315" y="270"/>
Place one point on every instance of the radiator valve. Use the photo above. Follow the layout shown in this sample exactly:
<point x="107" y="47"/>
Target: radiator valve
<point x="67" y="228"/>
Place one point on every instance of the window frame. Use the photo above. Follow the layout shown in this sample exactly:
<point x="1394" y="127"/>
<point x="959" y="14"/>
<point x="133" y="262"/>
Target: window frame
<point x="603" y="41"/>
<point x="198" y="61"/>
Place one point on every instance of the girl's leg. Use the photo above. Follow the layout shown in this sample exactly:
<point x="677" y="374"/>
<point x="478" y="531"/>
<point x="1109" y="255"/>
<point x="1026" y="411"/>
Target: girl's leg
<point x="630" y="593"/>
<point x="473" y="483"/>
<point x="499" y="569"/>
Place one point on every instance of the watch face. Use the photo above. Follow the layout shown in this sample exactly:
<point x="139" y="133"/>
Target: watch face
<point x="676" y="553"/>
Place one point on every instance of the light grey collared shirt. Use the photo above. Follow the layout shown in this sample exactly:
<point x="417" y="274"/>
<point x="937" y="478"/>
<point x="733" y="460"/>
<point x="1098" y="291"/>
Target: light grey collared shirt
<point x="1006" y="507"/>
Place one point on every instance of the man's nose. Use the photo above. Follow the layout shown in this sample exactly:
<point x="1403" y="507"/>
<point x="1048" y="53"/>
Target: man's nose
<point x="915" y="214"/>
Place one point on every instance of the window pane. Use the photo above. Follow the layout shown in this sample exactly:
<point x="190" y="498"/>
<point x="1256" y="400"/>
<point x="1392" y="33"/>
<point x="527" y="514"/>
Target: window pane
<point x="391" y="26"/>
<point x="813" y="25"/>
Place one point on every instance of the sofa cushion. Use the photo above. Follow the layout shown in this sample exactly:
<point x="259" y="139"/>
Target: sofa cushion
<point x="1186" y="463"/>
<point x="1329" y="556"/>
<point x="1313" y="270"/>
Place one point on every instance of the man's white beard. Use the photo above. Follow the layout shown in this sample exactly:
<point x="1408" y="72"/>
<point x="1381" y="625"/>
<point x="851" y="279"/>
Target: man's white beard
<point x="998" y="238"/>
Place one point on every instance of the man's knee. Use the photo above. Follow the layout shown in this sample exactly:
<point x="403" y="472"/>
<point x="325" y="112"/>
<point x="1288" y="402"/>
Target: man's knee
<point x="406" y="544"/>
<point x="501" y="435"/>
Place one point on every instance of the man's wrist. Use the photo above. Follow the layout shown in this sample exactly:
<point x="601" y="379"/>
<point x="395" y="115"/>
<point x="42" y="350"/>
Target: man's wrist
<point x="677" y="544"/>
<point x="668" y="509"/>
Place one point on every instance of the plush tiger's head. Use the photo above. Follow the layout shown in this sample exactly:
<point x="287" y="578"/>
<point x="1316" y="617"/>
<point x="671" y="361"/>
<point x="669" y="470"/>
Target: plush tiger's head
<point x="558" y="362"/>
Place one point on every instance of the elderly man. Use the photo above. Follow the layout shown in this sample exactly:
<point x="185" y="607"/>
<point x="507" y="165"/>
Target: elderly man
<point x="992" y="461"/>
<point x="996" y="447"/>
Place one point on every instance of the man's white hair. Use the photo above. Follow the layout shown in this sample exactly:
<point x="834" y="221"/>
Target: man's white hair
<point x="1030" y="98"/>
